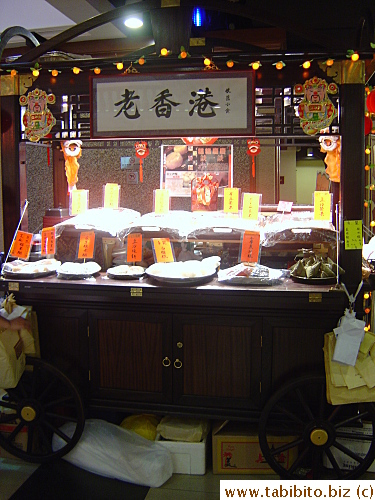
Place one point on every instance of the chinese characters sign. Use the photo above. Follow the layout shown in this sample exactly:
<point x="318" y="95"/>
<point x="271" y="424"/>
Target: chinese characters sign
<point x="250" y="246"/>
<point x="163" y="251"/>
<point x="353" y="234"/>
<point x="86" y="245"/>
<point x="134" y="248"/>
<point x="21" y="245"/>
<point x="172" y="105"/>
<point x="322" y="205"/>
<point x="48" y="241"/>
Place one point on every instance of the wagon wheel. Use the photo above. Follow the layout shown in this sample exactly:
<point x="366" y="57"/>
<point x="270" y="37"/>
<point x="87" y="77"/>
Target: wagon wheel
<point x="300" y="410"/>
<point x="40" y="404"/>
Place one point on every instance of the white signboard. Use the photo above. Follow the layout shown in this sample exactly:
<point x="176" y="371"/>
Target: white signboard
<point x="172" y="105"/>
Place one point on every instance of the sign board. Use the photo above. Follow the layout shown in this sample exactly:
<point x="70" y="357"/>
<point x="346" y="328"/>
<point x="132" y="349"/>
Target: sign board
<point x="172" y="105"/>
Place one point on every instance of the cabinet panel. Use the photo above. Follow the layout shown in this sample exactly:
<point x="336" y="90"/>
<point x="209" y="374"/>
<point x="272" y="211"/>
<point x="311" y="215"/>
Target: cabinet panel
<point x="127" y="352"/>
<point x="64" y="342"/>
<point x="221" y="361"/>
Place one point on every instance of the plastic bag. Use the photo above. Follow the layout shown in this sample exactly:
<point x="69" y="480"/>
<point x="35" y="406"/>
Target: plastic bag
<point x="144" y="425"/>
<point x="191" y="430"/>
<point x="12" y="359"/>
<point x="111" y="451"/>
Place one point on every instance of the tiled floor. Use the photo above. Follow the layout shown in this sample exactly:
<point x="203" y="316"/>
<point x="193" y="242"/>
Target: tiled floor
<point x="182" y="487"/>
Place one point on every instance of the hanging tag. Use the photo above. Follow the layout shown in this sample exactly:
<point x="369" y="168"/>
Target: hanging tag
<point x="163" y="251"/>
<point x="285" y="207"/>
<point x="249" y="249"/>
<point x="86" y="245"/>
<point x="21" y="245"/>
<point x="231" y="198"/>
<point x="134" y="248"/>
<point x="48" y="241"/>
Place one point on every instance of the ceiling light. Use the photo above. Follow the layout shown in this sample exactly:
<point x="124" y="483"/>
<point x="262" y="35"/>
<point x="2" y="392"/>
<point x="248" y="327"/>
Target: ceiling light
<point x="134" y="21"/>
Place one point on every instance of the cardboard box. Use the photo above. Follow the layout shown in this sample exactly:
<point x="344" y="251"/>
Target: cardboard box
<point x="20" y="441"/>
<point x="187" y="458"/>
<point x="359" y="447"/>
<point x="236" y="450"/>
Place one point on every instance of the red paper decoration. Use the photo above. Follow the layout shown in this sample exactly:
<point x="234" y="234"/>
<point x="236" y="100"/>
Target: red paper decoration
<point x="370" y="101"/>
<point x="368" y="125"/>
<point x="253" y="149"/>
<point x="141" y="152"/>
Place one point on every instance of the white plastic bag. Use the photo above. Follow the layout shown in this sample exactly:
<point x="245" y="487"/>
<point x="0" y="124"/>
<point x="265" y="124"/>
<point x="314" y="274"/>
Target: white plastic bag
<point x="109" y="450"/>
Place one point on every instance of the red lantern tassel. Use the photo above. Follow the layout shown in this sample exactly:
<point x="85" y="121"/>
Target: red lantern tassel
<point x="140" y="170"/>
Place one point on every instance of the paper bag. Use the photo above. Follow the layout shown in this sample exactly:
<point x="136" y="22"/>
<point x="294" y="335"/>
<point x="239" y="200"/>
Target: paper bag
<point x="12" y="359"/>
<point x="338" y="395"/>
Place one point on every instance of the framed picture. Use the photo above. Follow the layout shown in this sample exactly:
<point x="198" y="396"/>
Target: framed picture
<point x="172" y="105"/>
<point x="182" y="164"/>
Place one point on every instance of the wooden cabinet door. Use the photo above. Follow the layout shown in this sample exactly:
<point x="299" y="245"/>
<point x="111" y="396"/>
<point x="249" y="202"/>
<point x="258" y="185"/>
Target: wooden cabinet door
<point x="130" y="356"/>
<point x="64" y="342"/>
<point x="217" y="361"/>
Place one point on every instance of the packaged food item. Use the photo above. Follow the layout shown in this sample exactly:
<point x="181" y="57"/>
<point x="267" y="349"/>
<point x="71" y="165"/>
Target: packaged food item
<point x="204" y="193"/>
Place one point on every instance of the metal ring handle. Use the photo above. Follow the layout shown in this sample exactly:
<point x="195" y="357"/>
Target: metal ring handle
<point x="166" y="362"/>
<point x="177" y="363"/>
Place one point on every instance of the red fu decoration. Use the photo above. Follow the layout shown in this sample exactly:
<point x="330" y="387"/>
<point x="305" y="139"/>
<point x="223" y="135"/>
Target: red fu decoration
<point x="253" y="149"/>
<point x="370" y="101"/>
<point x="141" y="152"/>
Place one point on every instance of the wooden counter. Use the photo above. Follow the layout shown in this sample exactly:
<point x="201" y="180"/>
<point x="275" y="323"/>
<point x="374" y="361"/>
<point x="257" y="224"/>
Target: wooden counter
<point x="211" y="350"/>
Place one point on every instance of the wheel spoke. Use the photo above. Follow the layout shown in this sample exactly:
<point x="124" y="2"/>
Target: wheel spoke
<point x="348" y="452"/>
<point x="15" y="432"/>
<point x="316" y="463"/>
<point x="304" y="404"/>
<point x="30" y="437"/>
<point x="66" y="418"/>
<point x="335" y="412"/>
<point x="286" y="447"/>
<point x="10" y="405"/>
<point x="352" y="420"/>
<point x="47" y="390"/>
<point x="288" y="413"/>
<point x="58" y="431"/>
<point x="59" y="401"/>
<point x="47" y="442"/>
<point x="357" y="437"/>
<point x="298" y="460"/>
<point x="334" y="463"/>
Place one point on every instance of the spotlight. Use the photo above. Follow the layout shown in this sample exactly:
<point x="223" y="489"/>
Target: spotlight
<point x="134" y="21"/>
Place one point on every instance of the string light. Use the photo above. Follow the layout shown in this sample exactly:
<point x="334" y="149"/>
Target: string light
<point x="97" y="70"/>
<point x="141" y="61"/>
<point x="255" y="65"/>
<point x="230" y="63"/>
<point x="120" y="66"/>
<point x="329" y="62"/>
<point x="367" y="151"/>
<point x="206" y="61"/>
<point x="306" y="64"/>
<point x="279" y="65"/>
<point x="355" y="56"/>
<point x="13" y="72"/>
<point x="36" y="70"/>
<point x="76" y="70"/>
<point x="164" y="52"/>
<point x="54" y="72"/>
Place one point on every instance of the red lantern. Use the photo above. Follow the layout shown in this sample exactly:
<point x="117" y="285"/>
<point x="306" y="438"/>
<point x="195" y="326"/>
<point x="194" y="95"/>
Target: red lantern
<point x="253" y="149"/>
<point x="141" y="152"/>
<point x="368" y="125"/>
<point x="370" y="102"/>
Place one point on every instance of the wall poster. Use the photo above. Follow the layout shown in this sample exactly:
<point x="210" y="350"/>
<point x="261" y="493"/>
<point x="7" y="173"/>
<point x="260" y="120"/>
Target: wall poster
<point x="197" y="104"/>
<point x="181" y="164"/>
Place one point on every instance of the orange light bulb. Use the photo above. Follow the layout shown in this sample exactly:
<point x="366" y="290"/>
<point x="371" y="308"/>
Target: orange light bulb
<point x="367" y="167"/>
<point x="141" y="61"/>
<point x="355" y="56"/>
<point x="329" y="62"/>
<point x="97" y="71"/>
<point x="230" y="63"/>
<point x="365" y="204"/>
<point x="183" y="54"/>
<point x="13" y="72"/>
<point x="54" y="72"/>
<point x="279" y="65"/>
<point x="76" y="70"/>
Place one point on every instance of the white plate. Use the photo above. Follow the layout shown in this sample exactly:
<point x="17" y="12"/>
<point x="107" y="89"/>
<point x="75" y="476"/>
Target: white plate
<point x="77" y="270"/>
<point x="125" y="272"/>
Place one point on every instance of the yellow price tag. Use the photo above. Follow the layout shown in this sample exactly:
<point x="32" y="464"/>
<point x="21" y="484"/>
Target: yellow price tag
<point x="250" y="206"/>
<point x="162" y="250"/>
<point x="111" y="195"/>
<point x="353" y="234"/>
<point x="161" y="201"/>
<point x="322" y="205"/>
<point x="231" y="200"/>
<point x="79" y="200"/>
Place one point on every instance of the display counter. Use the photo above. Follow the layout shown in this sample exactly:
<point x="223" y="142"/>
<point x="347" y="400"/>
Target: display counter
<point x="211" y="350"/>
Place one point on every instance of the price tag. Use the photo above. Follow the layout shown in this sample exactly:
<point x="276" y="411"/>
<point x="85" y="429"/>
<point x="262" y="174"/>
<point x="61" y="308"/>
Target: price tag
<point x="111" y="195"/>
<point x="250" y="206"/>
<point x="161" y="201"/>
<point x="353" y="234"/>
<point x="285" y="207"/>
<point x="48" y="241"/>
<point x="322" y="205"/>
<point x="231" y="200"/>
<point x="86" y="245"/>
<point x="250" y="246"/>
<point x="79" y="201"/>
<point x="21" y="245"/>
<point x="163" y="251"/>
<point x="134" y="248"/>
